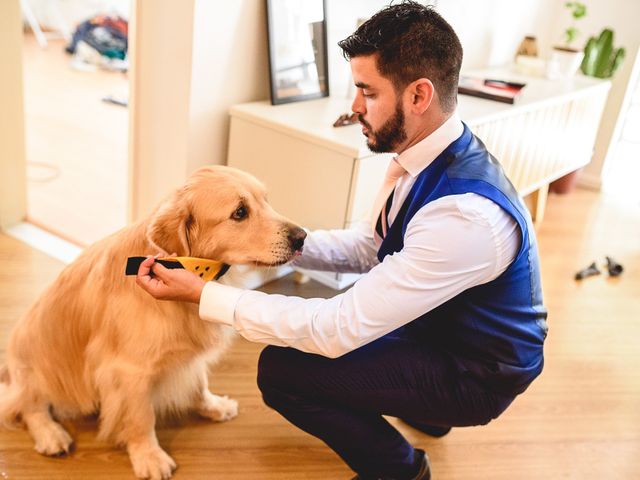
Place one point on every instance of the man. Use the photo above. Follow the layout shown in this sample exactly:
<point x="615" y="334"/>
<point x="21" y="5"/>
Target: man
<point x="447" y="326"/>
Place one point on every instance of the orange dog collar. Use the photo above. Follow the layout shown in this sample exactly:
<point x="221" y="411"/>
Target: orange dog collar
<point x="204" y="268"/>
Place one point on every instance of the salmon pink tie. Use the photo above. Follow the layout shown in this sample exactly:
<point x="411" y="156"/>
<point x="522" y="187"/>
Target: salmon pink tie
<point x="394" y="172"/>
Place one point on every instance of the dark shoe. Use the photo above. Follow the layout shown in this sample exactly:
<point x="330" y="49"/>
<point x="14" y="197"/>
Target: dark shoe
<point x="431" y="430"/>
<point x="425" y="468"/>
<point x="587" y="272"/>
<point x="423" y="474"/>
<point x="613" y="267"/>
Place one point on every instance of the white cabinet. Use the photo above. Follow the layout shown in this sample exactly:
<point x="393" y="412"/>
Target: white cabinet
<point x="325" y="177"/>
<point x="318" y="175"/>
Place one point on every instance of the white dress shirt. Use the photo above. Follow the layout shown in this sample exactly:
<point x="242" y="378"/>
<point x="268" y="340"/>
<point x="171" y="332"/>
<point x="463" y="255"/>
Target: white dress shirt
<point x="451" y="244"/>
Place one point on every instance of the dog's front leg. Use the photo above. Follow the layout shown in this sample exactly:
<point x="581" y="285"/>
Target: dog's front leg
<point x="217" y="408"/>
<point x="127" y="414"/>
<point x="49" y="436"/>
<point x="148" y="459"/>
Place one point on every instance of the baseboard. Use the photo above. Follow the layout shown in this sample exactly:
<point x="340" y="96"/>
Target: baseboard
<point x="44" y="241"/>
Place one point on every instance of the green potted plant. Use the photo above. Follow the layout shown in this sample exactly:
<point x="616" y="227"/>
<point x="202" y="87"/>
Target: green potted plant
<point x="566" y="59"/>
<point x="601" y="58"/>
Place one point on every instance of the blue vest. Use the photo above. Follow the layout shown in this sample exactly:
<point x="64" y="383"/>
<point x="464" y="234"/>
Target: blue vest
<point x="494" y="332"/>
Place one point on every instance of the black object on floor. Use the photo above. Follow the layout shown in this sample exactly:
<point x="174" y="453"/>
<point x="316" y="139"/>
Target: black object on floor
<point x="614" y="267"/>
<point x="588" y="272"/>
<point x="123" y="102"/>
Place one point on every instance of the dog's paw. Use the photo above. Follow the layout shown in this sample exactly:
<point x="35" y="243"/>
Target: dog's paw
<point x="53" y="440"/>
<point x="153" y="463"/>
<point x="218" y="409"/>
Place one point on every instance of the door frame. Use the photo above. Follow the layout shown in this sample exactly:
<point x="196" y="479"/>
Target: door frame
<point x="13" y="170"/>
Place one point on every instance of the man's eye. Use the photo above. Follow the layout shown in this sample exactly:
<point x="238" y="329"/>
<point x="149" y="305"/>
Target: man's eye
<point x="240" y="214"/>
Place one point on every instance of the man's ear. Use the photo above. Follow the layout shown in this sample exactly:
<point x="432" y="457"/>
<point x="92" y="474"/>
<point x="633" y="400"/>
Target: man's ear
<point x="170" y="228"/>
<point x="422" y="94"/>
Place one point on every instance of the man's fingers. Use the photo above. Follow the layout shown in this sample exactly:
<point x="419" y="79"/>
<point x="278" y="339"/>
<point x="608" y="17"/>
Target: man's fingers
<point x="144" y="281"/>
<point x="149" y="283"/>
<point x="168" y="284"/>
<point x="160" y="271"/>
<point x="149" y="266"/>
<point x="145" y="266"/>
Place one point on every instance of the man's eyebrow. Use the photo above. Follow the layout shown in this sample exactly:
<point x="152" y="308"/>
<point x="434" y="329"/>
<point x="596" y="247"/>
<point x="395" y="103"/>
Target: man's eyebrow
<point x="362" y="85"/>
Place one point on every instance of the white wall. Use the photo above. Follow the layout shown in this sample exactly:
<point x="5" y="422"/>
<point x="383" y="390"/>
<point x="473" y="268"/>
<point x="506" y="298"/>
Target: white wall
<point x="229" y="66"/>
<point x="159" y="101"/>
<point x="489" y="30"/>
<point x="342" y="18"/>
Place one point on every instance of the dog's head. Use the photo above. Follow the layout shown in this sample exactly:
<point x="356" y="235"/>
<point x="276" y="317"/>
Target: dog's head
<point x="222" y="213"/>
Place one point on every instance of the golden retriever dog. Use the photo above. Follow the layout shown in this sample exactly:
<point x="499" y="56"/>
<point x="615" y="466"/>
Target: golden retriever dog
<point x="95" y="342"/>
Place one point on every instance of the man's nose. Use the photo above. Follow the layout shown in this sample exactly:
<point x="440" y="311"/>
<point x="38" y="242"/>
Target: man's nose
<point x="358" y="103"/>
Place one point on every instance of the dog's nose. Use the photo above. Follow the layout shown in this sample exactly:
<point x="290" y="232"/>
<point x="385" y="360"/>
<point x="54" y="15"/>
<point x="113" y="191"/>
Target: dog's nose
<point x="296" y="238"/>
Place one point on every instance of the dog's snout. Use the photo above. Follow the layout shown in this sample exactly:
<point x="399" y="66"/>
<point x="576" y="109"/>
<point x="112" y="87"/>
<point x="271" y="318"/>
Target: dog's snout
<point x="296" y="238"/>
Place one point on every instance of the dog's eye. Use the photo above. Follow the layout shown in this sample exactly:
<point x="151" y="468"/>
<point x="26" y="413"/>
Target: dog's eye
<point x="240" y="214"/>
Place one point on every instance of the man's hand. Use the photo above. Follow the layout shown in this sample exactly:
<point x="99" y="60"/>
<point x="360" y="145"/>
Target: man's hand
<point x="169" y="284"/>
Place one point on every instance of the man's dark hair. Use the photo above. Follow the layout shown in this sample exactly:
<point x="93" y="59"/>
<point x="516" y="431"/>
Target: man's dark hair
<point x="413" y="41"/>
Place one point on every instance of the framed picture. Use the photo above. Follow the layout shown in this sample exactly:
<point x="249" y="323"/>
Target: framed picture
<point x="298" y="67"/>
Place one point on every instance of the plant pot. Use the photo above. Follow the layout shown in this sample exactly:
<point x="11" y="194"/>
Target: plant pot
<point x="566" y="183"/>
<point x="563" y="63"/>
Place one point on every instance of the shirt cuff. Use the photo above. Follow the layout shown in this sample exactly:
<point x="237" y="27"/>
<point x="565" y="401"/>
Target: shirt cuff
<point x="218" y="303"/>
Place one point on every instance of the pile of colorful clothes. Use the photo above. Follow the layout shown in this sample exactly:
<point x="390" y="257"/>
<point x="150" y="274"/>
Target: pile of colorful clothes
<point x="102" y="41"/>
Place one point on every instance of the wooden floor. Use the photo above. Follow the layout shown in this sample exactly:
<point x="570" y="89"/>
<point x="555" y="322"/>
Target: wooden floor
<point x="579" y="420"/>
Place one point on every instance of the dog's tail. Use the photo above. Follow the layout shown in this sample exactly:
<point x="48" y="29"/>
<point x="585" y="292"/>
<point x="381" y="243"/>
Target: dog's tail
<point x="9" y="400"/>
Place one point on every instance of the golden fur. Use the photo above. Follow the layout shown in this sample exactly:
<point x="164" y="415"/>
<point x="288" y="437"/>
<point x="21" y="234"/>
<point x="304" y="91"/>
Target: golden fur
<point x="94" y="341"/>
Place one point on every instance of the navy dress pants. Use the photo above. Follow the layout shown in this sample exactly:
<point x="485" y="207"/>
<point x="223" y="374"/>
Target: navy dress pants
<point x="341" y="401"/>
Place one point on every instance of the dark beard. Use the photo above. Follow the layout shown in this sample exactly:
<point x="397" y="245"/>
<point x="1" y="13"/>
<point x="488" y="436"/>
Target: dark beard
<point x="389" y="136"/>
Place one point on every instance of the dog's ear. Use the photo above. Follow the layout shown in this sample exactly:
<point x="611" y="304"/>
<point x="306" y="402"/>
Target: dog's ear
<point x="169" y="230"/>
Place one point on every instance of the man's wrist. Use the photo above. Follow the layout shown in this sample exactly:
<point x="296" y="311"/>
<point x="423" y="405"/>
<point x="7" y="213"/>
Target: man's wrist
<point x="197" y="293"/>
<point x="218" y="302"/>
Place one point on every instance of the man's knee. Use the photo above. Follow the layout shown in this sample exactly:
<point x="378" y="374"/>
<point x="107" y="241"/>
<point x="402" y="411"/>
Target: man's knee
<point x="278" y="377"/>
<point x="277" y="369"/>
<point x="267" y="367"/>
<point x="488" y="410"/>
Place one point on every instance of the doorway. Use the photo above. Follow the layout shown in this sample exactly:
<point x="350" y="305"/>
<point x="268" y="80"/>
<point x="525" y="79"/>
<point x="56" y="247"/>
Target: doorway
<point x="76" y="122"/>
